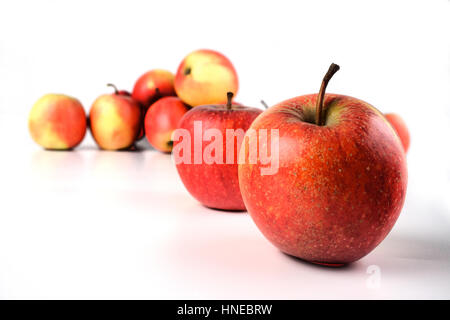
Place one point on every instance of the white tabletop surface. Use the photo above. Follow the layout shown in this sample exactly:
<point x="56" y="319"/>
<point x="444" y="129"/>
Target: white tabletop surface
<point x="98" y="224"/>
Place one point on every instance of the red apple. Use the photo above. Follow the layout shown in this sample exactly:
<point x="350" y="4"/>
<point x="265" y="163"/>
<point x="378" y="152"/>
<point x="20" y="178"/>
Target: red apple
<point x="161" y="120"/>
<point x="341" y="179"/>
<point x="213" y="183"/>
<point x="115" y="121"/>
<point x="401" y="129"/>
<point x="153" y="85"/>
<point x="57" y="122"/>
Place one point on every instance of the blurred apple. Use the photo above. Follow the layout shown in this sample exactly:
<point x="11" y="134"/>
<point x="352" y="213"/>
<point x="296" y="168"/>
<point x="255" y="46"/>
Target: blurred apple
<point x="400" y="127"/>
<point x="153" y="85"/>
<point x="205" y="77"/>
<point x="161" y="120"/>
<point x="128" y="94"/>
<point x="115" y="121"/>
<point x="57" y="121"/>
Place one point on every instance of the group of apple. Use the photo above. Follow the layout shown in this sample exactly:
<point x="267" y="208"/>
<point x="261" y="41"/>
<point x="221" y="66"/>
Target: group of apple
<point x="341" y="177"/>
<point x="117" y="120"/>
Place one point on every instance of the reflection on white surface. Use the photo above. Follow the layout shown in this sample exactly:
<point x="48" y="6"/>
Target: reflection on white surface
<point x="99" y="224"/>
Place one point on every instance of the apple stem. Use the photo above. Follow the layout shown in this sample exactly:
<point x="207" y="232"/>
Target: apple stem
<point x="264" y="104"/>
<point x="229" y="98"/>
<point x="114" y="87"/>
<point x="319" y="106"/>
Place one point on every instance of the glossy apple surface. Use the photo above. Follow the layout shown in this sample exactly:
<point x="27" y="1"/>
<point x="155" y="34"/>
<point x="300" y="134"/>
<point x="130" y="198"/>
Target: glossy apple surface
<point x="161" y="120"/>
<point x="212" y="184"/>
<point x="340" y="186"/>
<point x="115" y="121"/>
<point x="57" y="122"/>
<point x="204" y="77"/>
<point x="400" y="127"/>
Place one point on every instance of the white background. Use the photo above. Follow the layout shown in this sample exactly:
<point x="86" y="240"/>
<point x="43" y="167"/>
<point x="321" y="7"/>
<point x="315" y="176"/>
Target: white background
<point x="91" y="224"/>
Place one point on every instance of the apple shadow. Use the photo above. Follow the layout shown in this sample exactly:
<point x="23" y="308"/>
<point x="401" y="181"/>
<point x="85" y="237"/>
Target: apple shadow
<point x="315" y="265"/>
<point x="143" y="144"/>
<point x="417" y="248"/>
<point x="59" y="150"/>
<point x="134" y="148"/>
<point x="226" y="210"/>
<point x="419" y="238"/>
<point x="91" y="145"/>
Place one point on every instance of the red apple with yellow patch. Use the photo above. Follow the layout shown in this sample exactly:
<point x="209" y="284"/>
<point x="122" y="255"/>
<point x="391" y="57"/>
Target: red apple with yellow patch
<point x="57" y="122"/>
<point x="115" y="121"/>
<point x="400" y="127"/>
<point x="161" y="120"/>
<point x="341" y="179"/>
<point x="153" y="85"/>
<point x="204" y="77"/>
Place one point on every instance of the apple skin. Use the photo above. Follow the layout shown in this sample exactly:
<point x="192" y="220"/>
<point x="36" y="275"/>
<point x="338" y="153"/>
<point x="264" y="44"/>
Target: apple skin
<point x="128" y="94"/>
<point x="215" y="185"/>
<point x="161" y="120"/>
<point x="57" y="122"/>
<point x="115" y="121"/>
<point x="339" y="188"/>
<point x="400" y="127"/>
<point x="204" y="77"/>
<point x="141" y="131"/>
<point x="124" y="93"/>
<point x="144" y="90"/>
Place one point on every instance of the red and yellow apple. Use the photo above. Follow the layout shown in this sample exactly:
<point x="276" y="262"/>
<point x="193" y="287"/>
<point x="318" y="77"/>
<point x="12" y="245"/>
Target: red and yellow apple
<point x="128" y="94"/>
<point x="400" y="127"/>
<point x="57" y="122"/>
<point x="115" y="121"/>
<point x="341" y="181"/>
<point x="161" y="120"/>
<point x="205" y="77"/>
<point x="213" y="182"/>
<point x="153" y="85"/>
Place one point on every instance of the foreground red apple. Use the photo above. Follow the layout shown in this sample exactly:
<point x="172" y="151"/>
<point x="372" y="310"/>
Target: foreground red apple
<point x="57" y="122"/>
<point x="401" y="129"/>
<point x="161" y="120"/>
<point x="341" y="181"/>
<point x="115" y="121"/>
<point x="153" y="85"/>
<point x="209" y="169"/>
<point x="205" y="77"/>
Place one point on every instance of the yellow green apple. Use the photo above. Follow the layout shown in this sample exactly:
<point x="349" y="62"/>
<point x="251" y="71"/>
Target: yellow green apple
<point x="204" y="77"/>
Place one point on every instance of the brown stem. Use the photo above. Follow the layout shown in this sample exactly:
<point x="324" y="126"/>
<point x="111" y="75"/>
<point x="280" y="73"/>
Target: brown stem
<point x="264" y="104"/>
<point x="229" y="98"/>
<point x="319" y="106"/>
<point x="114" y="87"/>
